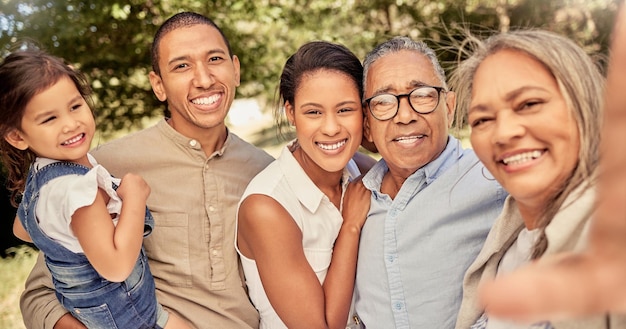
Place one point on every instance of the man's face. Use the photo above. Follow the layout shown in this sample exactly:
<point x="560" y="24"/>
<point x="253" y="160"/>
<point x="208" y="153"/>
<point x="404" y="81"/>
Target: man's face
<point x="198" y="78"/>
<point x="409" y="140"/>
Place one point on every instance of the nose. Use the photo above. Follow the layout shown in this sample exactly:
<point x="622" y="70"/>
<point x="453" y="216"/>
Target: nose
<point x="330" y="125"/>
<point x="405" y="114"/>
<point x="508" y="126"/>
<point x="203" y="77"/>
<point x="70" y="124"/>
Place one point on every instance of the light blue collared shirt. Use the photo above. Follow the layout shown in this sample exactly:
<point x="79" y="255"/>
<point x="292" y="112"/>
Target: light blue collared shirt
<point x="415" y="249"/>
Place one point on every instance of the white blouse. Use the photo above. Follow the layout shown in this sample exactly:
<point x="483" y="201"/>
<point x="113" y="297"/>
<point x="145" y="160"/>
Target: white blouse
<point x="62" y="196"/>
<point x="316" y="216"/>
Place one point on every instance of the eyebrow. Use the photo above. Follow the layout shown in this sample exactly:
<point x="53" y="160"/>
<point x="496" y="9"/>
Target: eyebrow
<point x="508" y="97"/>
<point x="187" y="57"/>
<point x="75" y="99"/>
<point x="388" y="88"/>
<point x="515" y="93"/>
<point x="42" y="115"/>
<point x="336" y="105"/>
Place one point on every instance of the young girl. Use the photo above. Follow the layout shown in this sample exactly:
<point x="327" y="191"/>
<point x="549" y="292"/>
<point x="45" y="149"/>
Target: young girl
<point x="294" y="217"/>
<point x="88" y="224"/>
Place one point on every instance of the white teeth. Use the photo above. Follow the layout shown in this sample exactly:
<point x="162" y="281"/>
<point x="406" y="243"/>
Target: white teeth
<point x="522" y="157"/>
<point x="206" y="100"/>
<point x="408" y="139"/>
<point x="73" y="140"/>
<point x="330" y="147"/>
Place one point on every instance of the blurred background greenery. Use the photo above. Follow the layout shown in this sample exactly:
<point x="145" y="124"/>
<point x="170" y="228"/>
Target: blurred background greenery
<point x="109" y="40"/>
<point x="13" y="272"/>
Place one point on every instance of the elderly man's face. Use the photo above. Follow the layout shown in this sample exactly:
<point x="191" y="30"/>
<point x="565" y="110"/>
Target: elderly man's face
<point x="409" y="140"/>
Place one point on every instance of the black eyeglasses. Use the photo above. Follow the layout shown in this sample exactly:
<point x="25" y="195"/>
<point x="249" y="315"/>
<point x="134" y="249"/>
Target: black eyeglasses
<point x="422" y="99"/>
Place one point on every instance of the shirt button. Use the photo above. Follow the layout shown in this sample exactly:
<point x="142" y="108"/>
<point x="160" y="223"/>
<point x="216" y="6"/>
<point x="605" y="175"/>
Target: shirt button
<point x="214" y="252"/>
<point x="193" y="143"/>
<point x="211" y="208"/>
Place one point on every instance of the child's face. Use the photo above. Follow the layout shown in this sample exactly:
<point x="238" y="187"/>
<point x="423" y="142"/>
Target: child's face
<point x="57" y="124"/>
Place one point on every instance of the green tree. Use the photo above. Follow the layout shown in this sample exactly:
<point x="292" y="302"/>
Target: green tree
<point x="109" y="40"/>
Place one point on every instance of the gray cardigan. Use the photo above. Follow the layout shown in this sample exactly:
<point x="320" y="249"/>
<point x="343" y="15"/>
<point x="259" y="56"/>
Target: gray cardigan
<point x="567" y="231"/>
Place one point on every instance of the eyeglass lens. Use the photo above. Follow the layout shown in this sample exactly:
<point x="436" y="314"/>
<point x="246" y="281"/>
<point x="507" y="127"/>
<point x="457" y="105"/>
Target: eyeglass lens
<point x="423" y="100"/>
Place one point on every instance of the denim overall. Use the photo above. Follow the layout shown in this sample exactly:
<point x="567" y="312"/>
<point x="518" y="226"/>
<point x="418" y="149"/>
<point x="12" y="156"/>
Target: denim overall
<point x="95" y="301"/>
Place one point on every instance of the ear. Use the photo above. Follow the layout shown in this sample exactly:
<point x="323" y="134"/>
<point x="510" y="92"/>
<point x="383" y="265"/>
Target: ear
<point x="451" y="106"/>
<point x="367" y="133"/>
<point x="14" y="137"/>
<point x="237" y="67"/>
<point x="157" y="86"/>
<point x="289" y="112"/>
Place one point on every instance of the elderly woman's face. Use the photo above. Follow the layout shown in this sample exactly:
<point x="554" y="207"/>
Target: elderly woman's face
<point x="521" y="128"/>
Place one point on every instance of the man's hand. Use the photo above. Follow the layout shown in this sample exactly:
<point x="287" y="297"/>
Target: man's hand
<point x="69" y="322"/>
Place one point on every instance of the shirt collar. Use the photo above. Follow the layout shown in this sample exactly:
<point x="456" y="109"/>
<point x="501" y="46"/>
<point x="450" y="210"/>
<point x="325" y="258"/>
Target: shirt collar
<point x="190" y="143"/>
<point x="445" y="160"/>
<point x="302" y="186"/>
<point x="450" y="155"/>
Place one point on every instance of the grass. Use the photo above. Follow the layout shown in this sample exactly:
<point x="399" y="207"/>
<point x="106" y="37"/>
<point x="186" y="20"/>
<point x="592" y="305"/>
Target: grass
<point x="13" y="273"/>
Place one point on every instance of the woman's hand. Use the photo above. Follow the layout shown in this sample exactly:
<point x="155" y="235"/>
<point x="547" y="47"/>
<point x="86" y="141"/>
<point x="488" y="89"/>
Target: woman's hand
<point x="356" y="204"/>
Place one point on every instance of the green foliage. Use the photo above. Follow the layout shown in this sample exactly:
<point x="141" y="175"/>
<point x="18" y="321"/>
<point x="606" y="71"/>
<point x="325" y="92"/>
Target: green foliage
<point x="110" y="39"/>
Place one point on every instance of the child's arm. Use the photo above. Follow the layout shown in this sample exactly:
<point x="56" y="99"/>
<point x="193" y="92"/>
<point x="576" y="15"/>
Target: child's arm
<point x="113" y="250"/>
<point x="19" y="230"/>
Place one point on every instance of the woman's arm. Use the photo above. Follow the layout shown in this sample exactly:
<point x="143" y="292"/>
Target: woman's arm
<point x="268" y="234"/>
<point x="113" y="250"/>
<point x="339" y="283"/>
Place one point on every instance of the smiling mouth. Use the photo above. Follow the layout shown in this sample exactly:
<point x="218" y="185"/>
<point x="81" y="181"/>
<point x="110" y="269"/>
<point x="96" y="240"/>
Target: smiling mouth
<point x="408" y="139"/>
<point x="206" y="100"/>
<point x="331" y="147"/>
<point x="73" y="140"/>
<point x="522" y="157"/>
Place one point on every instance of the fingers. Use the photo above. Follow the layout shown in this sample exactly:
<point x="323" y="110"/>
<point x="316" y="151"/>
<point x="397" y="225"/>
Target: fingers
<point x="356" y="203"/>
<point x="551" y="291"/>
<point x="133" y="185"/>
<point x="609" y="226"/>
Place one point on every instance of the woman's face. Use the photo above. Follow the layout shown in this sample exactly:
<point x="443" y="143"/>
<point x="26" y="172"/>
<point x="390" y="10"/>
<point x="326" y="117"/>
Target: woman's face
<point x="521" y="128"/>
<point x="328" y="118"/>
